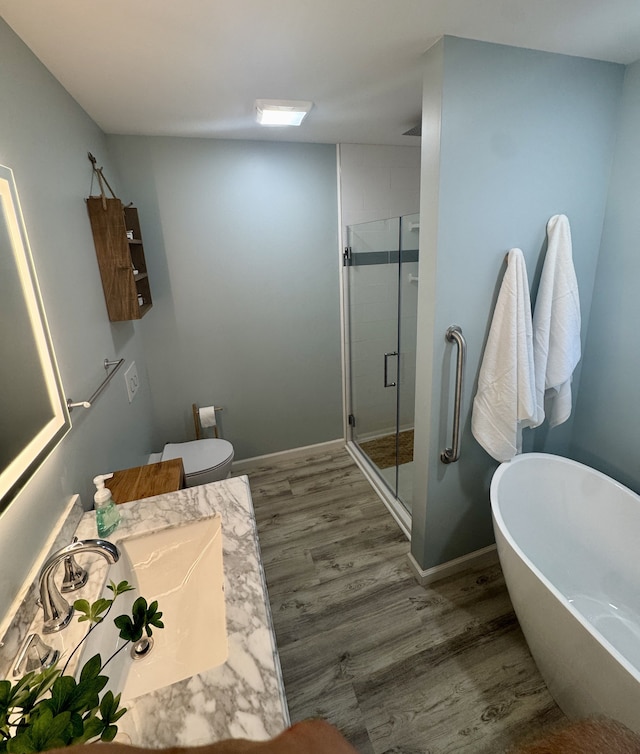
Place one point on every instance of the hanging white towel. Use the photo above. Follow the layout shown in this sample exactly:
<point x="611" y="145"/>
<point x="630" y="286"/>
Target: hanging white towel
<point x="506" y="398"/>
<point x="556" y="326"/>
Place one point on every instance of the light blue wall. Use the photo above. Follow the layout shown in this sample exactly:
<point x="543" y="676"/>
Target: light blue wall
<point x="606" y="427"/>
<point x="242" y="250"/>
<point x="522" y="135"/>
<point x="44" y="138"/>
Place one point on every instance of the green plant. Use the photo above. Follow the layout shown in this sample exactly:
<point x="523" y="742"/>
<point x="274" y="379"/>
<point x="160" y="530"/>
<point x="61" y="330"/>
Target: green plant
<point x="49" y="709"/>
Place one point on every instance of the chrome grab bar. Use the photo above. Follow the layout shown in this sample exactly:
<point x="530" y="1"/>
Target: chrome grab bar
<point x="386" y="369"/>
<point x="454" y="335"/>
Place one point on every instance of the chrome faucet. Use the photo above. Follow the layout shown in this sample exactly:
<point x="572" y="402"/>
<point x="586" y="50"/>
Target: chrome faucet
<point x="57" y="611"/>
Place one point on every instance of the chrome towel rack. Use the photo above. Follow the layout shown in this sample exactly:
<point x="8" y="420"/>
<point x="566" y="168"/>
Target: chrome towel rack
<point x="454" y="335"/>
<point x="87" y="404"/>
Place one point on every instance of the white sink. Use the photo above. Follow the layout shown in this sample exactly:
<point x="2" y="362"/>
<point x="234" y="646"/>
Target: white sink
<point x="181" y="567"/>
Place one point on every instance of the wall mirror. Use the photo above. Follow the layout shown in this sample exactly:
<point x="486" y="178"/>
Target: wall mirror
<point x="33" y="411"/>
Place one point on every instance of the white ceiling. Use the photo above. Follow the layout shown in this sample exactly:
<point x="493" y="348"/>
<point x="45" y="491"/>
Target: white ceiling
<point x="195" y="67"/>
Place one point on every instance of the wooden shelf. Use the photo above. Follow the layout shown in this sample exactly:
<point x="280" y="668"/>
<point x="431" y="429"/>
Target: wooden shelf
<point x="146" y="481"/>
<point x="118" y="257"/>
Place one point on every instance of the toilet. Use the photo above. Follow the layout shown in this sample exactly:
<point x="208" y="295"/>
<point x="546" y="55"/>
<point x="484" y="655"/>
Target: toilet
<point x="204" y="461"/>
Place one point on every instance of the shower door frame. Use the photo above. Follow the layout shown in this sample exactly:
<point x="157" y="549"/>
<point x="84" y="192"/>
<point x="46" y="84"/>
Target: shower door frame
<point x="392" y="502"/>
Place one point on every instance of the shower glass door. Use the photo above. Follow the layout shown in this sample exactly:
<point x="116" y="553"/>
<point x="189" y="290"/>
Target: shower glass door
<point x="382" y="273"/>
<point x="374" y="347"/>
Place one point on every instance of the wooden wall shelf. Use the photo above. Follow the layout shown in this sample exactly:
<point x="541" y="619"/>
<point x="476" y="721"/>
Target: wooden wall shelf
<point x="121" y="260"/>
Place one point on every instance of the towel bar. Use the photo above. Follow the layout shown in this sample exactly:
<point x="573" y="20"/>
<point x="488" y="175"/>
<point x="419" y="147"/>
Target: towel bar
<point x="87" y="404"/>
<point x="454" y="335"/>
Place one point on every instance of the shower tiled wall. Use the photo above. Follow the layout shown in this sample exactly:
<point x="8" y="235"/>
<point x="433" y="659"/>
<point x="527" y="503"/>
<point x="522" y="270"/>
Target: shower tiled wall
<point x="379" y="182"/>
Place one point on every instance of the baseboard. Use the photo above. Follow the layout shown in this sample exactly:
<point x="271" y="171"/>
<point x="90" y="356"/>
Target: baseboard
<point x="378" y="434"/>
<point x="246" y="464"/>
<point x="485" y="556"/>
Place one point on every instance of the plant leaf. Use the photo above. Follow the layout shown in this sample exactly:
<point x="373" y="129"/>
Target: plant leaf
<point x="128" y="629"/>
<point x="109" y="733"/>
<point x="77" y="725"/>
<point x="93" y="728"/>
<point x="21" y="744"/>
<point x="5" y="693"/>
<point x="152" y="618"/>
<point x="58" y="732"/>
<point x="123" y="621"/>
<point x="82" y="606"/>
<point x="109" y="708"/>
<point x="100" y="605"/>
<point x="91" y="668"/>
<point x="31" y="688"/>
<point x="118" y="715"/>
<point x="121" y="588"/>
<point x="92" y="612"/>
<point x="107" y="705"/>
<point x="47" y="731"/>
<point x="139" y="610"/>
<point x="86" y="695"/>
<point x="61" y="692"/>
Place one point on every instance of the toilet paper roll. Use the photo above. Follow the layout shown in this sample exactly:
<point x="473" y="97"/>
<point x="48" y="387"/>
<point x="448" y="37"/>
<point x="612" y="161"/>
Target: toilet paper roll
<point x="207" y="416"/>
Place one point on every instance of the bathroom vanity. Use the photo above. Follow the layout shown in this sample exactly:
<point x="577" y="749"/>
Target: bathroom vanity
<point x="241" y="698"/>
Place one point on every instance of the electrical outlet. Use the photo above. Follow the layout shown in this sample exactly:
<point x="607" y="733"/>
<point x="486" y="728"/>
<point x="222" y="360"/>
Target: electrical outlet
<point x="131" y="378"/>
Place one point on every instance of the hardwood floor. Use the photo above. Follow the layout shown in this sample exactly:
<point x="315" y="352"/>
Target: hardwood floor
<point x="397" y="667"/>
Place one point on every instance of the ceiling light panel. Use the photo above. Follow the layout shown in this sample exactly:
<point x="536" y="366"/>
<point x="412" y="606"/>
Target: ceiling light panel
<point x="276" y="112"/>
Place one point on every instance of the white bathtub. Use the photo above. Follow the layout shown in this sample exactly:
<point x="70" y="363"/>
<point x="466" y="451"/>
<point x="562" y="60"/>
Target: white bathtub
<point x="569" y="544"/>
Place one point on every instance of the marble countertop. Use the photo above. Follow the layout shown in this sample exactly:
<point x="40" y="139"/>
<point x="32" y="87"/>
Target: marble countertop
<point x="243" y="697"/>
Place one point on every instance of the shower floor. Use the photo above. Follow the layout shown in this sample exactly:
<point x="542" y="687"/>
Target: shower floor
<point x="382" y="450"/>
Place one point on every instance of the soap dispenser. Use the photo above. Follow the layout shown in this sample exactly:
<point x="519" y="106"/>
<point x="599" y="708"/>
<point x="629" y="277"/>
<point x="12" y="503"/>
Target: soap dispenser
<point x="107" y="514"/>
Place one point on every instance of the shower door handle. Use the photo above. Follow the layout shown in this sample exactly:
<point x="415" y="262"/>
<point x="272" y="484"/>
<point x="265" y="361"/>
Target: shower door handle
<point x="386" y="369"/>
<point x="454" y="335"/>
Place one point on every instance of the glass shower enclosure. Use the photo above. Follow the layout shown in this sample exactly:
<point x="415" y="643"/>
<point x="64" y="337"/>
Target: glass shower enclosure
<point x="381" y="262"/>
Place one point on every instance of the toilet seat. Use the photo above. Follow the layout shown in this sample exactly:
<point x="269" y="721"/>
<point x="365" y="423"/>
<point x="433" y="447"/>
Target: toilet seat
<point x="200" y="456"/>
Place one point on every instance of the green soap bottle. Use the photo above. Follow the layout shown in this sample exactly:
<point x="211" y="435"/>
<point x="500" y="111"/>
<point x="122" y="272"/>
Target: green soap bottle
<point x="107" y="514"/>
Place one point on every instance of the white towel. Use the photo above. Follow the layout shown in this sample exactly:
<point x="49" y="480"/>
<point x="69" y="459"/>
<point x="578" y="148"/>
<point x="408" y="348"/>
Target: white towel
<point x="506" y="398"/>
<point x="556" y="326"/>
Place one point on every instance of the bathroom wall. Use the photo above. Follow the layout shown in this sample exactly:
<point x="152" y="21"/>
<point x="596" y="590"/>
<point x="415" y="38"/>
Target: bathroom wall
<point x="607" y="414"/>
<point x="44" y="139"/>
<point x="242" y="249"/>
<point x="510" y="137"/>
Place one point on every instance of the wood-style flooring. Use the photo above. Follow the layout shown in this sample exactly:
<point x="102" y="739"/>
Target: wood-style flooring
<point x="397" y="667"/>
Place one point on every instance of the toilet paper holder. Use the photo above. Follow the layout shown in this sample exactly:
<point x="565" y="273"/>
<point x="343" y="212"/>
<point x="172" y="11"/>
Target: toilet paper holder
<point x="208" y="419"/>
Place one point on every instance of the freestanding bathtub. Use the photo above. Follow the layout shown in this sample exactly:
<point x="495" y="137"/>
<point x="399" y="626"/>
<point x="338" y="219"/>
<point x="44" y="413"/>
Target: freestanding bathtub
<point x="568" y="539"/>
